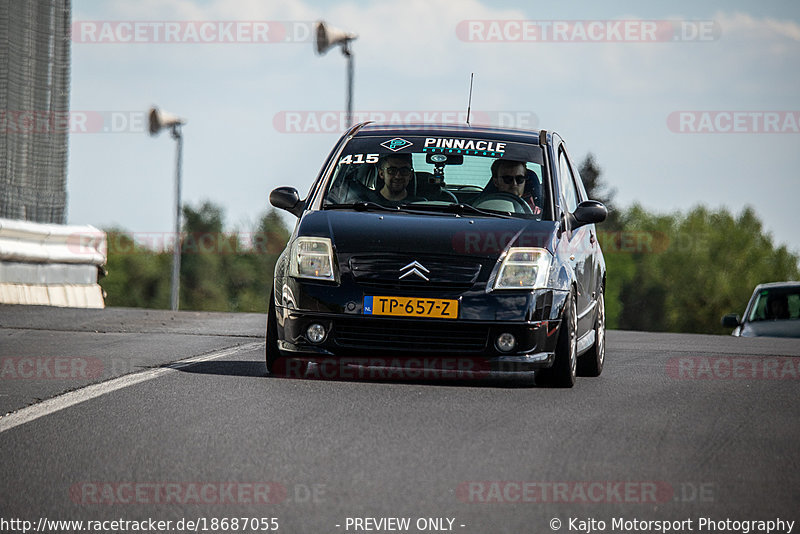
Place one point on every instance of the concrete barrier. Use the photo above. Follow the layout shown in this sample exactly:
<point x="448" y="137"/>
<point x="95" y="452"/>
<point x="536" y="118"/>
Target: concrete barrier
<point x="51" y="264"/>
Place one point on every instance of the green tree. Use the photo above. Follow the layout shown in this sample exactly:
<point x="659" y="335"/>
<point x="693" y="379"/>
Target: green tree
<point x="228" y="271"/>
<point x="619" y="266"/>
<point x="707" y="265"/>
<point x="598" y="189"/>
<point x="220" y="271"/>
<point x="137" y="277"/>
<point x="678" y="272"/>
<point x="202" y="267"/>
<point x="640" y="289"/>
<point x="266" y="242"/>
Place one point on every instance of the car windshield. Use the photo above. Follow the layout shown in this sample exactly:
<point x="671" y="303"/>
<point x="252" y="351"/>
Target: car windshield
<point x="776" y="304"/>
<point x="485" y="177"/>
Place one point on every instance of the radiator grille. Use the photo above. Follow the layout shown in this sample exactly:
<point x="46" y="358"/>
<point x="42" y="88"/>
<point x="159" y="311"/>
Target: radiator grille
<point x="417" y="336"/>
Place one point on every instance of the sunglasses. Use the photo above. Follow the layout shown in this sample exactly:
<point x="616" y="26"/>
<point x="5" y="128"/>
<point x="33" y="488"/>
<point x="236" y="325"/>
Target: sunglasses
<point x="520" y="179"/>
<point x="404" y="172"/>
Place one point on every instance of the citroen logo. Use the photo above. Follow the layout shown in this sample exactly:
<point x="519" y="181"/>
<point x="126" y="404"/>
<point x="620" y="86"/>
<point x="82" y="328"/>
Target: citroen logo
<point x="414" y="267"/>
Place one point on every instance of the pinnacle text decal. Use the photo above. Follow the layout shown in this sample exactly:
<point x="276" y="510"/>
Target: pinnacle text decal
<point x="467" y="146"/>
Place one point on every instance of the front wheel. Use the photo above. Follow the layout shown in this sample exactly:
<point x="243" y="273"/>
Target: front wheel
<point x="277" y="364"/>
<point x="563" y="372"/>
<point x="272" y="352"/>
<point x="591" y="363"/>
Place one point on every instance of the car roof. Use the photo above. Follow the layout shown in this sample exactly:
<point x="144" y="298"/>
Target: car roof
<point x="455" y="130"/>
<point x="773" y="285"/>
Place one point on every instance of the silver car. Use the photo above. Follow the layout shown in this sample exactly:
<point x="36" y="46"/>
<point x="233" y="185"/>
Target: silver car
<point x="773" y="311"/>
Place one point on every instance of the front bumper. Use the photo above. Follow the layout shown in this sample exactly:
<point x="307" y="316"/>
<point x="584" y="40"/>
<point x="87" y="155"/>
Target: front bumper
<point x="532" y="317"/>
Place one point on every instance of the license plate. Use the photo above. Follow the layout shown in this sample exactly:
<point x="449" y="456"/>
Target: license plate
<point x="411" y="307"/>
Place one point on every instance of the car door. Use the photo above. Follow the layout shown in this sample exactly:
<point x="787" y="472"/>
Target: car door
<point x="594" y="257"/>
<point x="581" y="241"/>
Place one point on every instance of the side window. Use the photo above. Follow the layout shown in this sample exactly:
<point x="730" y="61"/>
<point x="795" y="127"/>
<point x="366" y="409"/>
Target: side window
<point x="759" y="310"/>
<point x="582" y="195"/>
<point x="566" y="184"/>
<point x="794" y="306"/>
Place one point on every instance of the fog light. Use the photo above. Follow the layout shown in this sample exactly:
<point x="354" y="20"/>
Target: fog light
<point x="315" y="333"/>
<point x="505" y="342"/>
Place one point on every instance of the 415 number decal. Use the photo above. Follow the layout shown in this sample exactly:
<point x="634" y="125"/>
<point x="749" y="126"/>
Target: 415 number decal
<point x="357" y="159"/>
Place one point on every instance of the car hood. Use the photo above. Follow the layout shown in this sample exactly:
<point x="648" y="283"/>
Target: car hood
<point x="781" y="328"/>
<point x="379" y="231"/>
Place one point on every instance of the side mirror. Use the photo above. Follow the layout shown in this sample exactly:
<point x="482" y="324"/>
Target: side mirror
<point x="731" y="320"/>
<point x="589" y="212"/>
<point x="287" y="198"/>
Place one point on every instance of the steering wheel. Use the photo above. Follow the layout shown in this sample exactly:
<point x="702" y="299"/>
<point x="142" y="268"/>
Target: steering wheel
<point x="448" y="196"/>
<point x="470" y="189"/>
<point x="521" y="205"/>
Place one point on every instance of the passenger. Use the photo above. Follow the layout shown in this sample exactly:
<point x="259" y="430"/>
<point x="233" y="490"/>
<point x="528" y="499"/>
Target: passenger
<point x="395" y="172"/>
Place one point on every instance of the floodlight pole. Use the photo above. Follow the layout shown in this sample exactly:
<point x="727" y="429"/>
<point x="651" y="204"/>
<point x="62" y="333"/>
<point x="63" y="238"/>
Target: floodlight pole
<point x="349" y="55"/>
<point x="176" y="249"/>
<point x="327" y="37"/>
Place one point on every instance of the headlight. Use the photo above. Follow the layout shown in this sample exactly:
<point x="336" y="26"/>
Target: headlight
<point x="312" y="257"/>
<point x="523" y="268"/>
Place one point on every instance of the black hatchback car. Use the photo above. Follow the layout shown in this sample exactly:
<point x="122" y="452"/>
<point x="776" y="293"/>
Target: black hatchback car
<point x="455" y="247"/>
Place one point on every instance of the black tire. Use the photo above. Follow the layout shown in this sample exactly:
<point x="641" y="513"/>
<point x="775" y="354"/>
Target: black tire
<point x="272" y="352"/>
<point x="591" y="363"/>
<point x="277" y="363"/>
<point x="564" y="370"/>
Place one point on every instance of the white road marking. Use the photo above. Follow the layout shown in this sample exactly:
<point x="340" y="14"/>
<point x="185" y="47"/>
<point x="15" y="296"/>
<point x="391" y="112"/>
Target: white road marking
<point x="71" y="398"/>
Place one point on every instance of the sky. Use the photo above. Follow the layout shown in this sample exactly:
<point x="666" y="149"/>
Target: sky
<point x="681" y="103"/>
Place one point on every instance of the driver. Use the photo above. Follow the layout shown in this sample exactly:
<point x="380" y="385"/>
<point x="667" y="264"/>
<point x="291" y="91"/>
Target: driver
<point x="510" y="176"/>
<point x="777" y="306"/>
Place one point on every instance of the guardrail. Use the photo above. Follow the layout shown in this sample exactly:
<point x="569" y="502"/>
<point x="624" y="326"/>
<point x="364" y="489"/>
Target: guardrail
<point x="51" y="264"/>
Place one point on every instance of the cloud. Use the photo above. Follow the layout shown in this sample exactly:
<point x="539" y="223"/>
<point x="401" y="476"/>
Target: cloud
<point x="747" y="27"/>
<point x="414" y="45"/>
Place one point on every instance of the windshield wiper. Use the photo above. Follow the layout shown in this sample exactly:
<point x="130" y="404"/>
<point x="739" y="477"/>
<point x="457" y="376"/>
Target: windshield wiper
<point x="458" y="209"/>
<point x="360" y="206"/>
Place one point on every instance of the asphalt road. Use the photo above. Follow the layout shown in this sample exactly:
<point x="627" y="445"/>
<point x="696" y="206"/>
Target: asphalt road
<point x="678" y="427"/>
